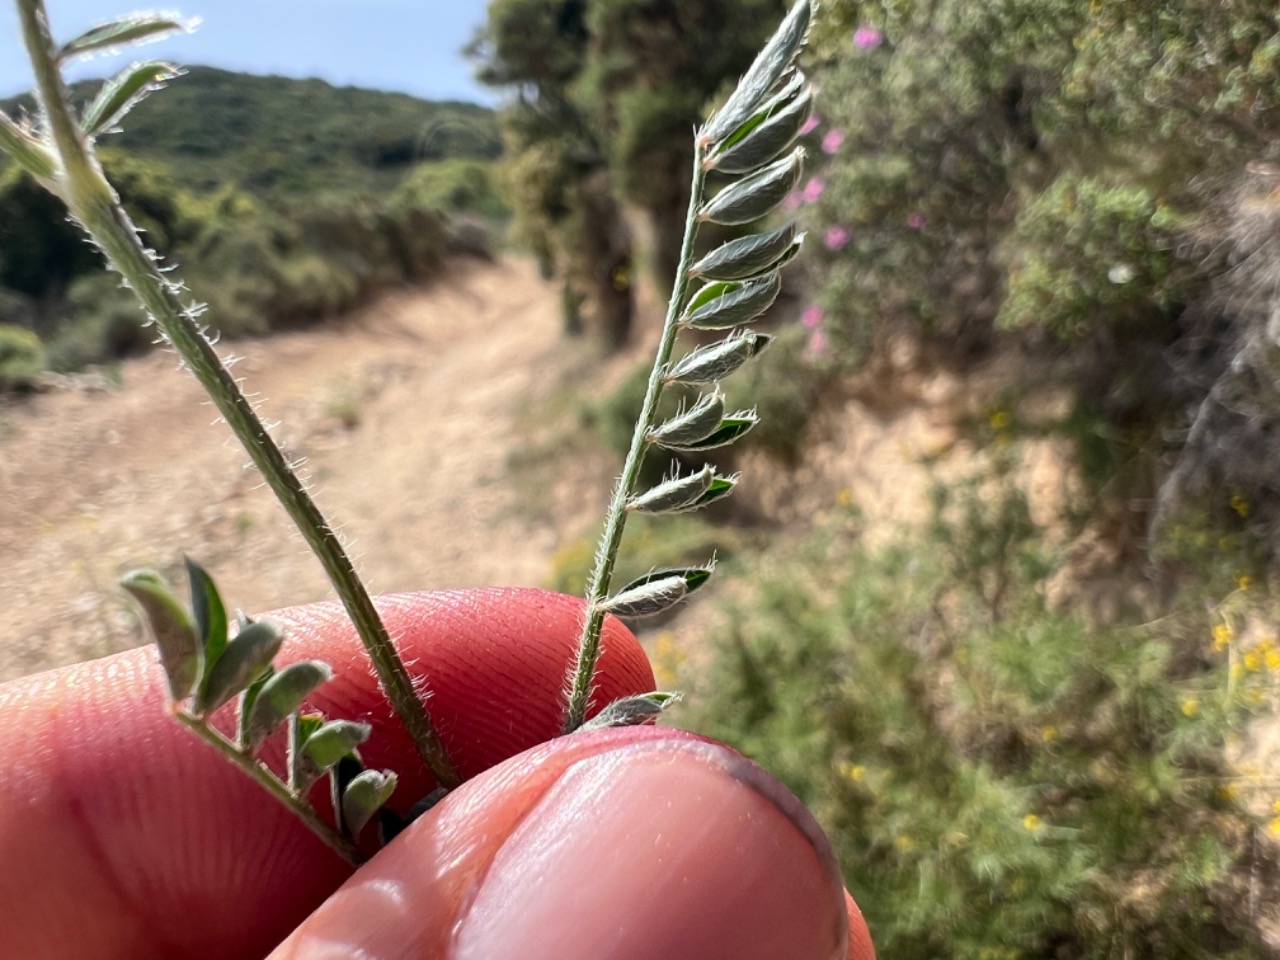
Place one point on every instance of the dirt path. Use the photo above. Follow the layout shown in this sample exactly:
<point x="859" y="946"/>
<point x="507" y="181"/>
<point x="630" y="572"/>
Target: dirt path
<point x="406" y="414"/>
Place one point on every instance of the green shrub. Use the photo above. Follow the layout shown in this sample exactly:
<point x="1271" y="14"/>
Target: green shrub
<point x="999" y="782"/>
<point x="456" y="185"/>
<point x="21" y="358"/>
<point x="1084" y="254"/>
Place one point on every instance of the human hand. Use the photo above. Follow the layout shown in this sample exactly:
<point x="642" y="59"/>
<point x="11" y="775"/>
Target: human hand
<point x="121" y="836"/>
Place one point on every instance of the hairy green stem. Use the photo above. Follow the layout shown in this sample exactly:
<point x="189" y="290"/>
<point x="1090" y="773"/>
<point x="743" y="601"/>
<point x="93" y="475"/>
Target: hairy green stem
<point x="94" y="203"/>
<point x="269" y="782"/>
<point x="616" y="520"/>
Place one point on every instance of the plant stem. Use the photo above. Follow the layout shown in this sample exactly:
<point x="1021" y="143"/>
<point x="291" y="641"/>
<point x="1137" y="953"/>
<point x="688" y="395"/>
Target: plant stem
<point x="94" y="203"/>
<point x="607" y="553"/>
<point x="273" y="785"/>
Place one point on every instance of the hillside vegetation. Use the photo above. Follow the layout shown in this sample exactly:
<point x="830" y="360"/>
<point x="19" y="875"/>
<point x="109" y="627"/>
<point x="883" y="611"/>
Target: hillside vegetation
<point x="285" y="201"/>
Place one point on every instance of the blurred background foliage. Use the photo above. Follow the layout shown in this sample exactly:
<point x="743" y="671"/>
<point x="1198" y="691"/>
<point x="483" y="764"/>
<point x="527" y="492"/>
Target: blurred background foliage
<point x="286" y="202"/>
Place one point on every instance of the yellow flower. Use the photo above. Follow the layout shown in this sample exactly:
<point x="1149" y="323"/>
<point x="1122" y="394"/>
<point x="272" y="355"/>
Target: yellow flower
<point x="1272" y="659"/>
<point x="1252" y="660"/>
<point x="1190" y="707"/>
<point x="850" y="771"/>
<point x="1276" y="806"/>
<point x="1273" y="828"/>
<point x="904" y="843"/>
<point x="1240" y="505"/>
<point x="1222" y="635"/>
<point x="844" y="497"/>
<point x="1244" y="581"/>
<point x="1227" y="792"/>
<point x="1031" y="822"/>
<point x="1000" y="419"/>
<point x="1049" y="734"/>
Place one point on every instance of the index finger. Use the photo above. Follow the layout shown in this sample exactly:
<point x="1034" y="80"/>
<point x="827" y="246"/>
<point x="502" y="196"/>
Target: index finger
<point x="123" y="836"/>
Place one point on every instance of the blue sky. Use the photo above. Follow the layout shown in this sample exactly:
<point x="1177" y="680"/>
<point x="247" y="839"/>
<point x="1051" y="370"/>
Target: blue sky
<point x="407" y="45"/>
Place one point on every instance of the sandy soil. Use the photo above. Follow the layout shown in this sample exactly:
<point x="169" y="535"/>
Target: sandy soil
<point x="406" y="414"/>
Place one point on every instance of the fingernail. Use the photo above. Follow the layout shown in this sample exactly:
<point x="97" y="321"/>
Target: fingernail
<point x="660" y="849"/>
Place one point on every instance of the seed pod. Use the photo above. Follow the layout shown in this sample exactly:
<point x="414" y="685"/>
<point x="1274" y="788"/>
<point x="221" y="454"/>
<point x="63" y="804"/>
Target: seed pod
<point x="758" y="194"/>
<point x="770" y="64"/>
<point x="747" y="256"/>
<point x="697" y="422"/>
<point x="717" y="360"/>
<point x="773" y="134"/>
<point x="734" y="304"/>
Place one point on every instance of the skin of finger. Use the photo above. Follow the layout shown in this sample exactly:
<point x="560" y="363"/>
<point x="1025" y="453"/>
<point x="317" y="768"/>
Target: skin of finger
<point x="123" y="836"/>
<point x="628" y="844"/>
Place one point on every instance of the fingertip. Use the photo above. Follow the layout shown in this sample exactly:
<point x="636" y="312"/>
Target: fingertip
<point x="627" y="844"/>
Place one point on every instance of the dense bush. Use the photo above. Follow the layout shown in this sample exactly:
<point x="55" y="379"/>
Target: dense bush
<point x="1001" y="781"/>
<point x="21" y="358"/>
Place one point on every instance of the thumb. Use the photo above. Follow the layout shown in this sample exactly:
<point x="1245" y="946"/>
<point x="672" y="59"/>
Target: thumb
<point x="629" y="844"/>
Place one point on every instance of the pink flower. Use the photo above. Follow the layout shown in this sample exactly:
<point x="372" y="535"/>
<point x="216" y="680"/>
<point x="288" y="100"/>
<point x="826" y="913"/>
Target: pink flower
<point x="818" y="343"/>
<point x="792" y="201"/>
<point x="813" y="190"/>
<point x="832" y="141"/>
<point x="838" y="238"/>
<point x="915" y="220"/>
<point x="811" y="317"/>
<point x="867" y="38"/>
<point x="811" y="124"/>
